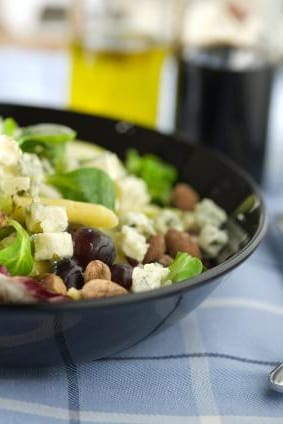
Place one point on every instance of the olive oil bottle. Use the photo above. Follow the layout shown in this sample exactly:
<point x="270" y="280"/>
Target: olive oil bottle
<point x="118" y="84"/>
<point x="120" y="52"/>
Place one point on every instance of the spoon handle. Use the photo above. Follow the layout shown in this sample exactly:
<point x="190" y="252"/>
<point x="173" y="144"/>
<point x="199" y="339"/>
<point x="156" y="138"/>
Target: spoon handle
<point x="276" y="378"/>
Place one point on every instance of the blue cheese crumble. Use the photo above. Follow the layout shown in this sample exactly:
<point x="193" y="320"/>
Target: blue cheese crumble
<point x="166" y="219"/>
<point x="52" y="246"/>
<point x="149" y="277"/>
<point x="133" y="244"/>
<point x="132" y="194"/>
<point x="208" y="213"/>
<point x="211" y="239"/>
<point x="46" y="219"/>
<point x="139" y="221"/>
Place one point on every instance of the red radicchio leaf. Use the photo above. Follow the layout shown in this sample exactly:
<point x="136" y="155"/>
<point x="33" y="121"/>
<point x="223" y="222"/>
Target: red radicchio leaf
<point x="25" y="290"/>
<point x="39" y="292"/>
<point x="3" y="270"/>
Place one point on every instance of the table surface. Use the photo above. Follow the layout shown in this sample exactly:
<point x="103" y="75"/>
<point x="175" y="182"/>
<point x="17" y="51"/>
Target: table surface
<point x="211" y="367"/>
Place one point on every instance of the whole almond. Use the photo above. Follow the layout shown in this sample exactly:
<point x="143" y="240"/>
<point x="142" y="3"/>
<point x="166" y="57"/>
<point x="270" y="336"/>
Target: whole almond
<point x="54" y="283"/>
<point x="165" y="260"/>
<point x="180" y="241"/>
<point x="156" y="248"/>
<point x="184" y="197"/>
<point x="97" y="270"/>
<point x="95" y="289"/>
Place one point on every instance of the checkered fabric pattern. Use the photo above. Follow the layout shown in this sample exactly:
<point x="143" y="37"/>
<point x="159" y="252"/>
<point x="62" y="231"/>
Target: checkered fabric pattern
<point x="211" y="367"/>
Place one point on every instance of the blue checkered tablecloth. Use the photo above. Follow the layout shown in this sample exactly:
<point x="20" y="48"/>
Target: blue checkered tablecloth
<point x="210" y="368"/>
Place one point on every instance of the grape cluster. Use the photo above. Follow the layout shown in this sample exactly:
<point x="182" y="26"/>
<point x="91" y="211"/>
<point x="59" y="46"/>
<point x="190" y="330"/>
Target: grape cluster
<point x="89" y="244"/>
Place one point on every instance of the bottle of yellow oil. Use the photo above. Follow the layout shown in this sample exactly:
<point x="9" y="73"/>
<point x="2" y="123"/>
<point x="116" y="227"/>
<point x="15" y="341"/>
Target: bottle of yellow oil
<point x="123" y="85"/>
<point x="118" y="58"/>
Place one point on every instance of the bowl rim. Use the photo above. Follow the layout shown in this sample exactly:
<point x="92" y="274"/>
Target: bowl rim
<point x="166" y="291"/>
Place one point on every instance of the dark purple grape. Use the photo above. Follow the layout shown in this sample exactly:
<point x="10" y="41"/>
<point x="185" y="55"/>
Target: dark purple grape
<point x="90" y="244"/>
<point x="122" y="275"/>
<point x="70" y="272"/>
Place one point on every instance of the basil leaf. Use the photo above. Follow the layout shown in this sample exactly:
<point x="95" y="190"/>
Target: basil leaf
<point x="47" y="141"/>
<point x="46" y="133"/>
<point x="184" y="267"/>
<point x="91" y="185"/>
<point x="158" y="175"/>
<point x="16" y="256"/>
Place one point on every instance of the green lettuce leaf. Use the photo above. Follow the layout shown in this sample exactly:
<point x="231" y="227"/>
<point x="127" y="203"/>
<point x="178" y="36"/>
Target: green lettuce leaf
<point x="16" y="252"/>
<point x="158" y="175"/>
<point x="10" y="127"/>
<point x="184" y="267"/>
<point x="47" y="141"/>
<point x="91" y="185"/>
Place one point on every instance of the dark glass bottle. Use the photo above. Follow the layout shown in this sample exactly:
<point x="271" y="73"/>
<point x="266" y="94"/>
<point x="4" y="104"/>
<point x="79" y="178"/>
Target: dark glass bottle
<point x="224" y="100"/>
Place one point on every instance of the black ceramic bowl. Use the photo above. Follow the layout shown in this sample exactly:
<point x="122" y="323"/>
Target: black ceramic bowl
<point x="42" y="334"/>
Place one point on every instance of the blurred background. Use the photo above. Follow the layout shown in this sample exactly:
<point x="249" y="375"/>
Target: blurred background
<point x="208" y="70"/>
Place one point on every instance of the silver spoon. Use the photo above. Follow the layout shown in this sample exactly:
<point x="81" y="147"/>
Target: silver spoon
<point x="276" y="378"/>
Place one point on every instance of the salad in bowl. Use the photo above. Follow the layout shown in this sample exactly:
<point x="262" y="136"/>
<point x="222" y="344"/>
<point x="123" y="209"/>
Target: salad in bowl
<point x="76" y="222"/>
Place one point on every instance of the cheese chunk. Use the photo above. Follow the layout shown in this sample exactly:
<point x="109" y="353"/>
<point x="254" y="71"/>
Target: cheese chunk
<point x="46" y="219"/>
<point x="166" y="219"/>
<point x="52" y="246"/>
<point x="133" y="244"/>
<point x="132" y="194"/>
<point x="109" y="163"/>
<point x="208" y="213"/>
<point x="149" y="277"/>
<point x="211" y="239"/>
<point x="139" y="221"/>
<point x="10" y="152"/>
<point x="13" y="185"/>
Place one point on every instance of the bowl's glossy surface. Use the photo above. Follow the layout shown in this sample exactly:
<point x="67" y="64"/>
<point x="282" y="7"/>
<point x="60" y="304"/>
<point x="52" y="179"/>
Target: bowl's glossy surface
<point x="44" y="334"/>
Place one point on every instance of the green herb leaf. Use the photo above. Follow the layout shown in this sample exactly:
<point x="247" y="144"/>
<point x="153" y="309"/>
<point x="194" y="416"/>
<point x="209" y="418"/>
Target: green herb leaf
<point x="10" y="126"/>
<point x="47" y="141"/>
<point x="184" y="267"/>
<point x="247" y="206"/>
<point x="16" y="256"/>
<point x="134" y="162"/>
<point x="91" y="185"/>
<point x="158" y="175"/>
